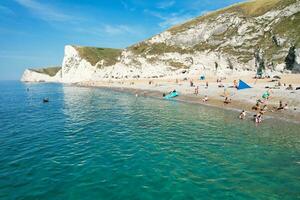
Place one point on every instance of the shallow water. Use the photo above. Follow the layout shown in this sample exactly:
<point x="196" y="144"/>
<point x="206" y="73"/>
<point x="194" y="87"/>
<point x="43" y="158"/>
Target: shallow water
<point x="99" y="144"/>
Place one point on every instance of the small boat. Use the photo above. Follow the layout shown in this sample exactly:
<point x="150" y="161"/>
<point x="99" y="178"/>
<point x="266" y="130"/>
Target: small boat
<point x="171" y="95"/>
<point x="45" y="100"/>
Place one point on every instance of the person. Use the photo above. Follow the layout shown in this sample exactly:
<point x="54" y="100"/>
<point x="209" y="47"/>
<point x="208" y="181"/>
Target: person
<point x="258" y="118"/>
<point x="206" y="84"/>
<point x="280" y="107"/>
<point x="45" y="100"/>
<point x="290" y="87"/>
<point x="235" y="84"/>
<point x="280" y="104"/>
<point x="196" y="90"/>
<point x="242" y="114"/>
<point x="191" y="83"/>
<point x="205" y="98"/>
<point x="285" y="107"/>
<point x="227" y="100"/>
<point x="264" y="109"/>
<point x="279" y="84"/>
<point x="266" y="95"/>
<point x="256" y="107"/>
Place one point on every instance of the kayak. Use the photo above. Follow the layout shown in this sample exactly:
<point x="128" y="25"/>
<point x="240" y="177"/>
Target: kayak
<point x="171" y="95"/>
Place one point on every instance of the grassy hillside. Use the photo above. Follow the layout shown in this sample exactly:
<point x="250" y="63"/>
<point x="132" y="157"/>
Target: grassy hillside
<point x="51" y="71"/>
<point x="285" y="29"/>
<point x="248" y="9"/>
<point x="94" y="55"/>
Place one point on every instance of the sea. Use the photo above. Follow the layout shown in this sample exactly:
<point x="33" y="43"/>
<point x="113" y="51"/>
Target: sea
<point x="93" y="143"/>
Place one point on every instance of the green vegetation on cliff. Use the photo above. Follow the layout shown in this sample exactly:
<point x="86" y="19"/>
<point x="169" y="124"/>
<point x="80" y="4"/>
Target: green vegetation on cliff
<point x="94" y="55"/>
<point x="247" y="9"/>
<point x="51" y="71"/>
<point x="274" y="40"/>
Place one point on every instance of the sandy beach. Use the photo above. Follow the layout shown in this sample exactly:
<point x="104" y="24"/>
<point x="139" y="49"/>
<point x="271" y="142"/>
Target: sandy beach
<point x="240" y="99"/>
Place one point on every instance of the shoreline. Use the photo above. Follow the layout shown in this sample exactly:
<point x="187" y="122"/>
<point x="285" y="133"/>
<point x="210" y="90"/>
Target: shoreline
<point x="237" y="105"/>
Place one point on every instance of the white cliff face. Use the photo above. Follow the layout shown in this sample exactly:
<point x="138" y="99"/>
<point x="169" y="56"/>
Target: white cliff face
<point x="32" y="76"/>
<point x="75" y="68"/>
<point x="224" y="44"/>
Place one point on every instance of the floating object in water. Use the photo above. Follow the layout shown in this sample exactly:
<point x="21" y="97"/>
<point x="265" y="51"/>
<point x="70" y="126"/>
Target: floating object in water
<point x="45" y="100"/>
<point x="171" y="95"/>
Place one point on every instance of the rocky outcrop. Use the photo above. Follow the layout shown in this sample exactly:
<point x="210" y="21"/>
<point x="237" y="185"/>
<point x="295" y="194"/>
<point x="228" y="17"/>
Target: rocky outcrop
<point x="297" y="60"/>
<point x="30" y="75"/>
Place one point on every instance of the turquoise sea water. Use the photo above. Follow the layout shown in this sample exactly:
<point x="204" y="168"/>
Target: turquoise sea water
<point x="99" y="144"/>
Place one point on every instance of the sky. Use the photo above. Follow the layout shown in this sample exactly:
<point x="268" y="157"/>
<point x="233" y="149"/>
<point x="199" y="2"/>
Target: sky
<point x="33" y="33"/>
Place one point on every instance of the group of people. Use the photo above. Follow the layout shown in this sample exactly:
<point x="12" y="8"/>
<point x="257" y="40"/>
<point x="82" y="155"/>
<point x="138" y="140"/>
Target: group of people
<point x="260" y="107"/>
<point x="196" y="91"/>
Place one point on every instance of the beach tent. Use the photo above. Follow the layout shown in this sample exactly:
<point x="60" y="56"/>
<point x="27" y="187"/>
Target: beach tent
<point x="243" y="85"/>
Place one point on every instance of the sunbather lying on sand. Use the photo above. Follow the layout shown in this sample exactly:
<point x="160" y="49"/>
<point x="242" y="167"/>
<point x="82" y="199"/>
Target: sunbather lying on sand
<point x="256" y="107"/>
<point x="227" y="100"/>
<point x="290" y="87"/>
<point x="281" y="107"/>
<point x="205" y="98"/>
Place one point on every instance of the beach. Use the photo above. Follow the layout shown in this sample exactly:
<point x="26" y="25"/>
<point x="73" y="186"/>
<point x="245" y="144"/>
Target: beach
<point x="240" y="99"/>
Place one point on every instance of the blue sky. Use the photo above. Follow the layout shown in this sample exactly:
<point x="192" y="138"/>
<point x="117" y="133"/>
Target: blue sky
<point x="33" y="33"/>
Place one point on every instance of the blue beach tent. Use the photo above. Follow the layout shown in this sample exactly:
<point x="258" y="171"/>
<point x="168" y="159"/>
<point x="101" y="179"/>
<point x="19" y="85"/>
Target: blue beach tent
<point x="243" y="85"/>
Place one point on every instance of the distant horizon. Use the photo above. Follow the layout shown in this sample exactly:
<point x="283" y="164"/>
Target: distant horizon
<point x="33" y="33"/>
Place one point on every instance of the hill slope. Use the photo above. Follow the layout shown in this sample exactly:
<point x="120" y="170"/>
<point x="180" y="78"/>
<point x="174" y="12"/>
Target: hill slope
<point x="256" y="36"/>
<point x="244" y="34"/>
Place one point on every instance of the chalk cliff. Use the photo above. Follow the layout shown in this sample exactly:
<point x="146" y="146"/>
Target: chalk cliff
<point x="259" y="36"/>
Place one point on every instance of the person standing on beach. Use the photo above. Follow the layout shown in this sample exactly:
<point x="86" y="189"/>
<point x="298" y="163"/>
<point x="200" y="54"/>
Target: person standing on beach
<point x="235" y="84"/>
<point x="267" y="94"/>
<point x="196" y="90"/>
<point x="191" y="83"/>
<point x="258" y="118"/>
